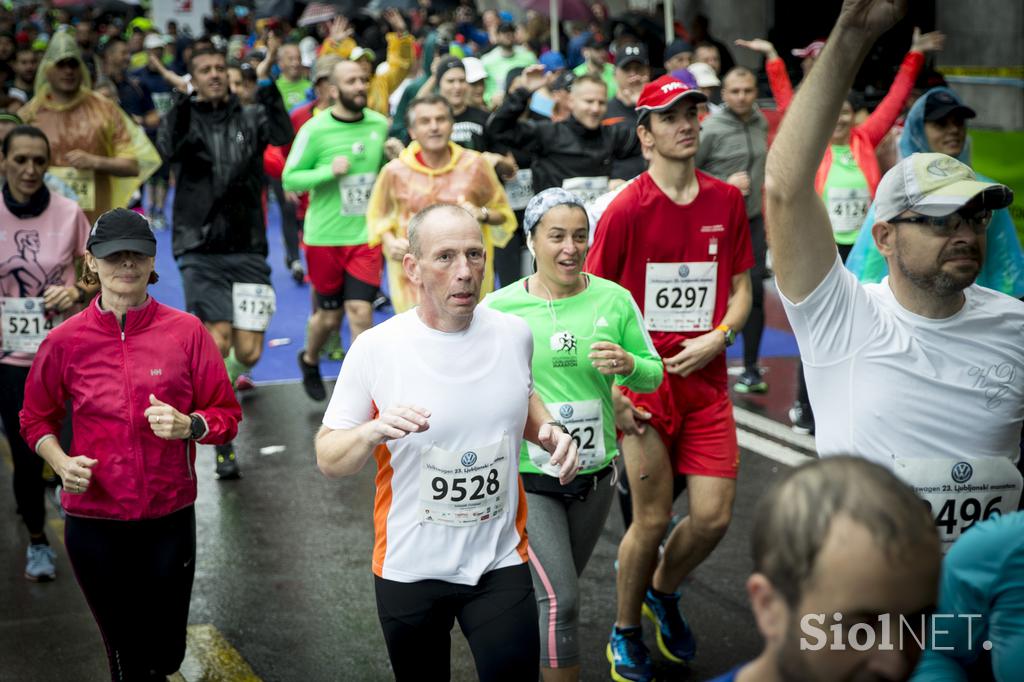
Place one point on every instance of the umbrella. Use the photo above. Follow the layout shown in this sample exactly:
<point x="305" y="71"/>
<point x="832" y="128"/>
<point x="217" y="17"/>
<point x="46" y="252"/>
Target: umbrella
<point x="317" y="12"/>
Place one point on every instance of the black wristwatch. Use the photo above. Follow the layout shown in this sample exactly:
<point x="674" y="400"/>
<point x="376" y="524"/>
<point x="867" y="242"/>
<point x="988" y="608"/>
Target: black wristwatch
<point x="198" y="428"/>
<point x="560" y="425"/>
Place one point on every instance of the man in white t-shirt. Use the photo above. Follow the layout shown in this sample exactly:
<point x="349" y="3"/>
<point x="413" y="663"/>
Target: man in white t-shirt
<point x="922" y="372"/>
<point x="442" y="396"/>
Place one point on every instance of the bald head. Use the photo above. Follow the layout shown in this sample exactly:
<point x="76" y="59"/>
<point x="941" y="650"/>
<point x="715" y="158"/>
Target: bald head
<point x="432" y="220"/>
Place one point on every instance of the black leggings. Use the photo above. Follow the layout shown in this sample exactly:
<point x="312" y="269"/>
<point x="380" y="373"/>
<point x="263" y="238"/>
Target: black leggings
<point x="289" y="221"/>
<point x="498" y="616"/>
<point x="28" y="466"/>
<point x="137" y="577"/>
<point x="753" y="330"/>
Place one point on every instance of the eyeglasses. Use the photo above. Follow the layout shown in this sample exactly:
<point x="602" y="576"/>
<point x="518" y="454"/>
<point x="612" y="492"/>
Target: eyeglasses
<point x="945" y="226"/>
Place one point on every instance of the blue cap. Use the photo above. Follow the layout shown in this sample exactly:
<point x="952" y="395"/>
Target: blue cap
<point x="552" y="61"/>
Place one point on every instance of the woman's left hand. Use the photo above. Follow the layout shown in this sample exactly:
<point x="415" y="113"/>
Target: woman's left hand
<point x="610" y="358"/>
<point x="167" y="422"/>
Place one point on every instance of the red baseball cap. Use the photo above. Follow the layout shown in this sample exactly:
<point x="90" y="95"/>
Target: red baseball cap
<point x="663" y="93"/>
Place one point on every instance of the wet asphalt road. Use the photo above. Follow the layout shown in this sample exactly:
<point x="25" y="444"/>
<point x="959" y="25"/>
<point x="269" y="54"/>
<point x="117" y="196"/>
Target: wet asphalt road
<point x="283" y="573"/>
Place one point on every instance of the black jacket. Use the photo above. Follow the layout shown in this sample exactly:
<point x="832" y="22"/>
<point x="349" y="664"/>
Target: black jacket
<point x="560" y="150"/>
<point x="218" y="153"/>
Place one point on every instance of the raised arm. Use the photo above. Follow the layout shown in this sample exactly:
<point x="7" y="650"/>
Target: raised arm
<point x="803" y="248"/>
<point x="505" y="124"/>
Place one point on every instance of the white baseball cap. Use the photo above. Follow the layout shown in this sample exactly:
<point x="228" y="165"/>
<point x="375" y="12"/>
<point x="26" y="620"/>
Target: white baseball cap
<point x="704" y="74"/>
<point x="475" y="71"/>
<point x="934" y="185"/>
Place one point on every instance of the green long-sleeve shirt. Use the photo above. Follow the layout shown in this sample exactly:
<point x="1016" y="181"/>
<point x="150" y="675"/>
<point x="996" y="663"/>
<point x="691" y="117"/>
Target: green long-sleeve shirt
<point x="563" y="375"/>
<point x="337" y="205"/>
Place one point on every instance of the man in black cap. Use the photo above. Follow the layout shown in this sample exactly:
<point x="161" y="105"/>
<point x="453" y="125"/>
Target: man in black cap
<point x="678" y="55"/>
<point x="507" y="55"/>
<point x="632" y="73"/>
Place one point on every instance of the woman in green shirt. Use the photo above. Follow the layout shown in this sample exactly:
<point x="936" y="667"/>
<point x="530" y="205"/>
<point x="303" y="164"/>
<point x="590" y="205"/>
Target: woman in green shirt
<point x="588" y="336"/>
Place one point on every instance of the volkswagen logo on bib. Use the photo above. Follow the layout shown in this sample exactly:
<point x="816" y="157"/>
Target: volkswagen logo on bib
<point x="565" y="412"/>
<point x="684" y="270"/>
<point x="962" y="472"/>
<point x="30" y="304"/>
<point x="468" y="459"/>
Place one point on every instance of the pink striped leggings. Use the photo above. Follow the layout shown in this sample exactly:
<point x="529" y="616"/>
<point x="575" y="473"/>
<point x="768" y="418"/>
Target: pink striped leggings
<point x="563" y="534"/>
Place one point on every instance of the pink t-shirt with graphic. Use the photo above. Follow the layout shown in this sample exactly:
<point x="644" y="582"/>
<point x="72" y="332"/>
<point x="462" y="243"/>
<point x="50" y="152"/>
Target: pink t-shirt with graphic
<point x="39" y="252"/>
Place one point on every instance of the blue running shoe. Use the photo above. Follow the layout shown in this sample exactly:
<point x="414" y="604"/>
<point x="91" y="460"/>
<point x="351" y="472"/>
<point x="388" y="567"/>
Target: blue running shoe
<point x="40" y="563"/>
<point x="675" y="639"/>
<point x="630" y="659"/>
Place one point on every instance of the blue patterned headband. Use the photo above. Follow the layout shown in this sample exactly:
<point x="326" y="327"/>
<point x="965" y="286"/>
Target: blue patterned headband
<point x="543" y="202"/>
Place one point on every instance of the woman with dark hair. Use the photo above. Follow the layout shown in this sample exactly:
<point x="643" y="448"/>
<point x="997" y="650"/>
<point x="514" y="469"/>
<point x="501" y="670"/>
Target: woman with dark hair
<point x="145" y="381"/>
<point x="42" y="247"/>
<point x="588" y="338"/>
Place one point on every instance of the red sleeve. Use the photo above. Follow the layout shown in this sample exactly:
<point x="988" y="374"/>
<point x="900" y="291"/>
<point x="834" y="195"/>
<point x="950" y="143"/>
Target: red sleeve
<point x="273" y="162"/>
<point x="778" y="81"/>
<point x="605" y="256"/>
<point x="743" y="252"/>
<point x="212" y="396"/>
<point x="299" y="117"/>
<point x="889" y="109"/>
<point x="45" y="395"/>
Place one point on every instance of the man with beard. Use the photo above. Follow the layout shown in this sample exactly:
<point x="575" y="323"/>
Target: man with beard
<point x="841" y="538"/>
<point x="920" y="372"/>
<point x="336" y="157"/>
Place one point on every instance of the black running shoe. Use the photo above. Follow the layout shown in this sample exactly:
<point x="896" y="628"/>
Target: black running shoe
<point x="802" y="418"/>
<point x="312" y="382"/>
<point x="227" y="467"/>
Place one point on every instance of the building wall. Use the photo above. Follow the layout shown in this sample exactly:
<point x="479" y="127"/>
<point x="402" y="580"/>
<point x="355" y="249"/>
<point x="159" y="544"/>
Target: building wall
<point x="985" y="33"/>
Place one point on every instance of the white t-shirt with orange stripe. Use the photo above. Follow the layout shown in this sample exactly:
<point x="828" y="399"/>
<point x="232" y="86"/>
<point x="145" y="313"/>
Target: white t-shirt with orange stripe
<point x="449" y="504"/>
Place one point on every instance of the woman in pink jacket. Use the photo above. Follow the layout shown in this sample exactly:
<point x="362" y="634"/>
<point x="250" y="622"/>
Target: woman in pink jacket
<point x="145" y="382"/>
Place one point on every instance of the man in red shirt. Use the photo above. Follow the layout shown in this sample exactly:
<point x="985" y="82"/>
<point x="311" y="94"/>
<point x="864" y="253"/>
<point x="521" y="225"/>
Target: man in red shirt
<point x="678" y="239"/>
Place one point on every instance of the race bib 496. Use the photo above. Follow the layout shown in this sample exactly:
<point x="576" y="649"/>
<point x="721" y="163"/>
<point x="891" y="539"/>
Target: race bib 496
<point x="960" y="494"/>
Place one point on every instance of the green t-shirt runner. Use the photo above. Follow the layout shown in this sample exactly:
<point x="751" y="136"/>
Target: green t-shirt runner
<point x="575" y="392"/>
<point x="337" y="205"/>
<point x="293" y="92"/>
<point x="846" y="195"/>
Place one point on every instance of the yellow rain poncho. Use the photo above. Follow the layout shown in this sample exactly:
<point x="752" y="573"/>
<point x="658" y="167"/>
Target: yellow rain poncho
<point x="91" y="123"/>
<point x="399" y="61"/>
<point x="405" y="186"/>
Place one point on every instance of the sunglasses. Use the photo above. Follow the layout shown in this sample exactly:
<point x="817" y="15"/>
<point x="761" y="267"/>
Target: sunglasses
<point x="945" y="226"/>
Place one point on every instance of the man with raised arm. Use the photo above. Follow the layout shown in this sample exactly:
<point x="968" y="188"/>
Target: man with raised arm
<point x="921" y="371"/>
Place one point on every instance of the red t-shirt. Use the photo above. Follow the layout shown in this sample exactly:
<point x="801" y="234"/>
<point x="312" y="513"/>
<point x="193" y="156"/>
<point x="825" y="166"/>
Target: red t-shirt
<point x="642" y="225"/>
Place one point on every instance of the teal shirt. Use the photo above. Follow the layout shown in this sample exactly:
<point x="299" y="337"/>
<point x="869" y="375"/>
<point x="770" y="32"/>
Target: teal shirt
<point x="563" y="376"/>
<point x="337" y="205"/>
<point x="982" y="576"/>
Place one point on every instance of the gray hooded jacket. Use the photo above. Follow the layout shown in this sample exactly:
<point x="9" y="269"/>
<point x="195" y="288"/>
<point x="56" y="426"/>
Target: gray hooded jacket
<point x="729" y="145"/>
